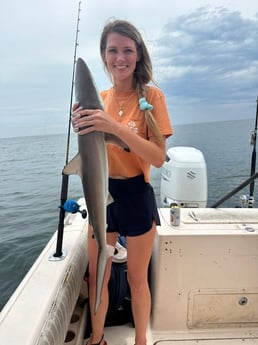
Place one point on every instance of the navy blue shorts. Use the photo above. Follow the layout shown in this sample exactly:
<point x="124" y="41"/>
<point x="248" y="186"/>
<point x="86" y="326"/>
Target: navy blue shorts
<point x="134" y="208"/>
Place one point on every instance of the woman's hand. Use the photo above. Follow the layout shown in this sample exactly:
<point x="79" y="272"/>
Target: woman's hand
<point x="75" y="116"/>
<point x="88" y="120"/>
<point x="85" y="121"/>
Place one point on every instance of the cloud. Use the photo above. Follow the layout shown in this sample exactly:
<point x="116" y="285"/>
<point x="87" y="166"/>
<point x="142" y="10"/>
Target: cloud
<point x="209" y="56"/>
<point x="204" y="59"/>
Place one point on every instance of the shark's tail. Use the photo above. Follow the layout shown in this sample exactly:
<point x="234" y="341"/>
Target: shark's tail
<point x="103" y="256"/>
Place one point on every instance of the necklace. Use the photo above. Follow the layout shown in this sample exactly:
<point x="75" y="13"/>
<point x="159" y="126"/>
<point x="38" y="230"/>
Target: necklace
<point x="122" y="107"/>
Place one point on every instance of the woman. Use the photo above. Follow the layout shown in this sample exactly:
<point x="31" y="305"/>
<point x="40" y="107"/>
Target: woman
<point x="137" y="114"/>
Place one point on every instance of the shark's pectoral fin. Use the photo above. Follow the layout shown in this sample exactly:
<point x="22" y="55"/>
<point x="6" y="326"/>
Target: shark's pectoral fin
<point x="112" y="139"/>
<point x="74" y="166"/>
<point x="109" y="199"/>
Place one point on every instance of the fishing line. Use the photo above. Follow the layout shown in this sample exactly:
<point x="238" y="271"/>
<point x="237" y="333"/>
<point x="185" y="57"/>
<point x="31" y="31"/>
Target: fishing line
<point x="65" y="178"/>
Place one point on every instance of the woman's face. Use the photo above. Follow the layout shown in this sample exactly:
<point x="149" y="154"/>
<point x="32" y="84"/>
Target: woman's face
<point x="121" y="56"/>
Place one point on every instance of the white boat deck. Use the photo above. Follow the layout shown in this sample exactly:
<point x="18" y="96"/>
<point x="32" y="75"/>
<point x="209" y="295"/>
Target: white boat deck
<point x="203" y="278"/>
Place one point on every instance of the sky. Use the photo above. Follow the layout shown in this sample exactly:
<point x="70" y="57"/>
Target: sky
<point x="204" y="54"/>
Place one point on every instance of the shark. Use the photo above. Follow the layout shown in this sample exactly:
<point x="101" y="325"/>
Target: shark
<point x="91" y="165"/>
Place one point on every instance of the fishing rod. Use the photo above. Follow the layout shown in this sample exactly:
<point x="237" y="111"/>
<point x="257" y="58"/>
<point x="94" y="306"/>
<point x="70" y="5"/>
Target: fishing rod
<point x="253" y="176"/>
<point x="236" y="190"/>
<point x="253" y="160"/>
<point x="65" y="178"/>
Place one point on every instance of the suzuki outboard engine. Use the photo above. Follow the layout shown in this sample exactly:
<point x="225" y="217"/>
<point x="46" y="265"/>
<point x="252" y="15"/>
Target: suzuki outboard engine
<point x="184" y="178"/>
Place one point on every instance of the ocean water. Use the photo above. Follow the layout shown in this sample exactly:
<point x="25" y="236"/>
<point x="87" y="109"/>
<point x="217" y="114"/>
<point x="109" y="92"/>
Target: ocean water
<point x="30" y="186"/>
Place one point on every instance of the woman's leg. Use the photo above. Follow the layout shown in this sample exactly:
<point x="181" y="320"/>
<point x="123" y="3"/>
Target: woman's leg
<point x="139" y="250"/>
<point x="98" y="318"/>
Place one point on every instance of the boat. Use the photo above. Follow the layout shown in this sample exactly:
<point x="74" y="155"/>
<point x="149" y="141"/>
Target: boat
<point x="203" y="273"/>
<point x="203" y="276"/>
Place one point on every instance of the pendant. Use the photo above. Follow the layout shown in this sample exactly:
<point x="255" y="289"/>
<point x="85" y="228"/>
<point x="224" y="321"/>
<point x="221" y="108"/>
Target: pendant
<point x="120" y="113"/>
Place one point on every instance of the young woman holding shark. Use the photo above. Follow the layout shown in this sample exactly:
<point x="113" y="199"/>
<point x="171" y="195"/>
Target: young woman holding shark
<point x="137" y="114"/>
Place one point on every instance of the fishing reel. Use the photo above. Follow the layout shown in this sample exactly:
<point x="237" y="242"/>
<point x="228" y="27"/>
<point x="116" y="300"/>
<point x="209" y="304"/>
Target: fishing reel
<point x="246" y="201"/>
<point x="72" y="206"/>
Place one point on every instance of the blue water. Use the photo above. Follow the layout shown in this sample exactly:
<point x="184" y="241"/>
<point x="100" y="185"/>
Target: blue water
<point x="30" y="186"/>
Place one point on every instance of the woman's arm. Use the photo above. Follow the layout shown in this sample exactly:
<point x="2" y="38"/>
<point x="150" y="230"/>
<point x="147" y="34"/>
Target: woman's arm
<point x="98" y="120"/>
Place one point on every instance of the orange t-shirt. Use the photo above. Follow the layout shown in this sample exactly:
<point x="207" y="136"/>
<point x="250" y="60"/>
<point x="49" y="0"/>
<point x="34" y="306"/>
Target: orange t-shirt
<point x="128" y="164"/>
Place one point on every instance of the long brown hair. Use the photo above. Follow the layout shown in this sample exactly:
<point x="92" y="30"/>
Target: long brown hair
<point x="143" y="71"/>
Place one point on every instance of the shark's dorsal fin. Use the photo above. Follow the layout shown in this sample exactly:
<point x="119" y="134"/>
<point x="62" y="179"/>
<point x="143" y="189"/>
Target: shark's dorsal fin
<point x="112" y="139"/>
<point x="74" y="166"/>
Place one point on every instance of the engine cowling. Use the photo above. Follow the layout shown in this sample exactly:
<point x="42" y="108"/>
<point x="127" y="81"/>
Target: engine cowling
<point x="184" y="178"/>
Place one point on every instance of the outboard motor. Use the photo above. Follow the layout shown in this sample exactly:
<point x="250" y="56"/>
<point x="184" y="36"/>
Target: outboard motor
<point x="184" y="178"/>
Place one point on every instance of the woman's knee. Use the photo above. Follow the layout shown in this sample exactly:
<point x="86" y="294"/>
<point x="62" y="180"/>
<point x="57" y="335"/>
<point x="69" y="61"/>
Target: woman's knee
<point x="137" y="282"/>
